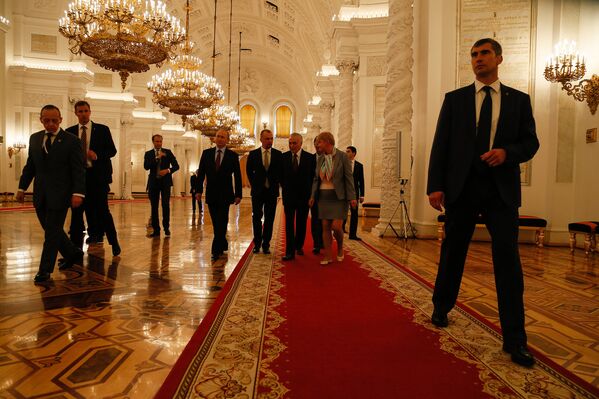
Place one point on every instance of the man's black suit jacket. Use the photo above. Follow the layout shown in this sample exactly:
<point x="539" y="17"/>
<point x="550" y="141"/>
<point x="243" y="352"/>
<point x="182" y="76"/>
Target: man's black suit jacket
<point x="218" y="183"/>
<point x="359" y="179"/>
<point x="102" y="144"/>
<point x="168" y="161"/>
<point x="58" y="174"/>
<point x="297" y="186"/>
<point x="453" y="148"/>
<point x="257" y="174"/>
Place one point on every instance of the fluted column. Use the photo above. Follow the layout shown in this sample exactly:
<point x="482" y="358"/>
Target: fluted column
<point x="345" y="107"/>
<point x="325" y="116"/>
<point x="398" y="112"/>
<point x="313" y="131"/>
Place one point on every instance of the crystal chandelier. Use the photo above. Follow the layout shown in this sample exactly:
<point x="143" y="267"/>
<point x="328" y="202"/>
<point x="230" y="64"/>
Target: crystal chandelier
<point x="240" y="140"/>
<point x="125" y="36"/>
<point x="183" y="89"/>
<point x="211" y="120"/>
<point x="568" y="66"/>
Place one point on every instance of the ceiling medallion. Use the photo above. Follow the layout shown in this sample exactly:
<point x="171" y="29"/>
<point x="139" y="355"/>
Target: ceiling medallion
<point x="125" y="36"/>
<point x="183" y="88"/>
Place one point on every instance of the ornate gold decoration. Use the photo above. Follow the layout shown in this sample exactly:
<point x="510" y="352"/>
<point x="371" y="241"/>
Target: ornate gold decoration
<point x="568" y="66"/>
<point x="183" y="89"/>
<point x="240" y="140"/>
<point x="16" y="148"/>
<point x="125" y="36"/>
<point x="212" y="119"/>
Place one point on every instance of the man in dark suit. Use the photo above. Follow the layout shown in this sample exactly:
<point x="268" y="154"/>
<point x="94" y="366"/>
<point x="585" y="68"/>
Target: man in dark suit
<point x="485" y="130"/>
<point x="161" y="163"/>
<point x="97" y="148"/>
<point x="264" y="173"/>
<point x="298" y="174"/>
<point x="358" y="172"/>
<point x="55" y="161"/>
<point x="217" y="165"/>
<point x="193" y="182"/>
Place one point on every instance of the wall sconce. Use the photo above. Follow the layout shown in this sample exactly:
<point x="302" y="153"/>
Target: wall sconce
<point x="16" y="148"/>
<point x="568" y="66"/>
<point x="264" y="124"/>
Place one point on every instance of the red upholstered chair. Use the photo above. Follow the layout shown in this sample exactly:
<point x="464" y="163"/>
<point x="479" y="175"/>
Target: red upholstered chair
<point x="589" y="229"/>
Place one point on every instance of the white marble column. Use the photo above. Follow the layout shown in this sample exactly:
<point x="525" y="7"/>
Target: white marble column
<point x="313" y="131"/>
<point x="345" y="106"/>
<point x="126" y="169"/>
<point x="325" y="116"/>
<point x="396" y="142"/>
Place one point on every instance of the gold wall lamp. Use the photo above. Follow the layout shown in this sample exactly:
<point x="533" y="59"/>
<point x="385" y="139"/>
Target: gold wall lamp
<point x="16" y="148"/>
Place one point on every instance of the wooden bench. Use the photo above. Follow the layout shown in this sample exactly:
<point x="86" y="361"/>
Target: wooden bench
<point x="534" y="223"/>
<point x="371" y="209"/>
<point x="589" y="229"/>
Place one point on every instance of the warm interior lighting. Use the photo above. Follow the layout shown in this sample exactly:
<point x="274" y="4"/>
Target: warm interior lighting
<point x="567" y="66"/>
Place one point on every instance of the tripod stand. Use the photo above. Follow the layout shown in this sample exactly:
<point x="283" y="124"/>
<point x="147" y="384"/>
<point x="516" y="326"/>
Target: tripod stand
<point x="409" y="231"/>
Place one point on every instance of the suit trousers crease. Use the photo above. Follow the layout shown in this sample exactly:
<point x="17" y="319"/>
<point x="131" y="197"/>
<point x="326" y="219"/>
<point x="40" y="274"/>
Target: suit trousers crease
<point x="480" y="195"/>
<point x="316" y="227"/>
<point x="296" y="217"/>
<point x="161" y="193"/>
<point x="219" y="213"/>
<point x="55" y="239"/>
<point x="263" y="204"/>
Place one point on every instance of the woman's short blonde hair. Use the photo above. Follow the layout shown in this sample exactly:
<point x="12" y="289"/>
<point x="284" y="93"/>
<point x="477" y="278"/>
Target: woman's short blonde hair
<point x="326" y="137"/>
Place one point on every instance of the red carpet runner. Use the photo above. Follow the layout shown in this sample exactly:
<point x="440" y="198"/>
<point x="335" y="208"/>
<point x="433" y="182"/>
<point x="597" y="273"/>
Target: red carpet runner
<point x="355" y="329"/>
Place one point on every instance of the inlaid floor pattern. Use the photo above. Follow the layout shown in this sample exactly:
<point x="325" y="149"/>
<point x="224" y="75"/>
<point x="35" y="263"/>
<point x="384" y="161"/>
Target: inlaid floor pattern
<point x="114" y="327"/>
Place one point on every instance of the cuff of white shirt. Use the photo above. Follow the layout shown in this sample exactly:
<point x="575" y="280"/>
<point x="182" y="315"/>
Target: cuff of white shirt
<point x="79" y="195"/>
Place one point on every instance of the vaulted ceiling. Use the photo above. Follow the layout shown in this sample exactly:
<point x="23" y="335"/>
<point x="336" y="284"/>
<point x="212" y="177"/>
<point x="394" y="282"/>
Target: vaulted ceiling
<point x="288" y="40"/>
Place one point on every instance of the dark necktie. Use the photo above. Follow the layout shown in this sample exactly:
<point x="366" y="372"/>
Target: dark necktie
<point x="483" y="133"/>
<point x="84" y="143"/>
<point x="48" y="143"/>
<point x="218" y="154"/>
<point x="158" y="159"/>
<point x="295" y="163"/>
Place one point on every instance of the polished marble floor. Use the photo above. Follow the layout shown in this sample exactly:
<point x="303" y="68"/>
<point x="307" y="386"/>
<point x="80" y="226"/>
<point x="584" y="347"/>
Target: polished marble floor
<point x="114" y="327"/>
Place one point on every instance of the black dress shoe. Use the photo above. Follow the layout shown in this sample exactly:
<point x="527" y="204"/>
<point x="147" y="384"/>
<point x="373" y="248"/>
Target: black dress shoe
<point x="256" y="250"/>
<point x="42" y="277"/>
<point x="77" y="259"/>
<point x="266" y="250"/>
<point x="288" y="257"/>
<point x="439" y="319"/>
<point x="300" y="251"/>
<point x="355" y="238"/>
<point x="116" y="249"/>
<point x="316" y="251"/>
<point x="167" y="232"/>
<point x="520" y="355"/>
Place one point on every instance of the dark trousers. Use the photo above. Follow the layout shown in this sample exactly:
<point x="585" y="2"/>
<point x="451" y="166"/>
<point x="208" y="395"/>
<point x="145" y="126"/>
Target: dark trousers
<point x="296" y="217"/>
<point x="316" y="227"/>
<point x="353" y="221"/>
<point x="193" y="203"/>
<point x="164" y="194"/>
<point x="97" y="213"/>
<point x="55" y="239"/>
<point x="219" y="213"/>
<point x="480" y="195"/>
<point x="263" y="204"/>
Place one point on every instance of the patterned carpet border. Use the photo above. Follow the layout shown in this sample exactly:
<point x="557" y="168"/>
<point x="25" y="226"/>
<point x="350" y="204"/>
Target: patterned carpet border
<point x="465" y="322"/>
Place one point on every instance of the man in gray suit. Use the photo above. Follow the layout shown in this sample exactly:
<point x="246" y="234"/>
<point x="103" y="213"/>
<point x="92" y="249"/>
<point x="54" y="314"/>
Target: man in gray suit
<point x="55" y="160"/>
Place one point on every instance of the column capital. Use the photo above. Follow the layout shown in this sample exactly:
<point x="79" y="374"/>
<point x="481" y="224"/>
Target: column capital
<point x="326" y="106"/>
<point x="346" y="66"/>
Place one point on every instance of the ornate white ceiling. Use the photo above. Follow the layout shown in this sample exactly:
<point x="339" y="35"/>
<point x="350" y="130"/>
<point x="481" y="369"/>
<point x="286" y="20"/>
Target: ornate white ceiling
<point x="288" y="41"/>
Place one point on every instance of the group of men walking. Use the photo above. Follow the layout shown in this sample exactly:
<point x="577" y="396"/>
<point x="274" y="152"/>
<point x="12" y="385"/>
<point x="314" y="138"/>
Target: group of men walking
<point x="268" y="170"/>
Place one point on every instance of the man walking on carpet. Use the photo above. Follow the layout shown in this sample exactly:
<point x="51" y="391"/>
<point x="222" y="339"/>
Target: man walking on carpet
<point x="264" y="172"/>
<point x="485" y="130"/>
<point x="217" y="166"/>
<point x="298" y="174"/>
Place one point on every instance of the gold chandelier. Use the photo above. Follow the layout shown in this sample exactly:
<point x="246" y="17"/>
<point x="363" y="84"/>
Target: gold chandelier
<point x="211" y="120"/>
<point x="124" y="36"/>
<point x="568" y="66"/>
<point x="184" y="89"/>
<point x="240" y="140"/>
